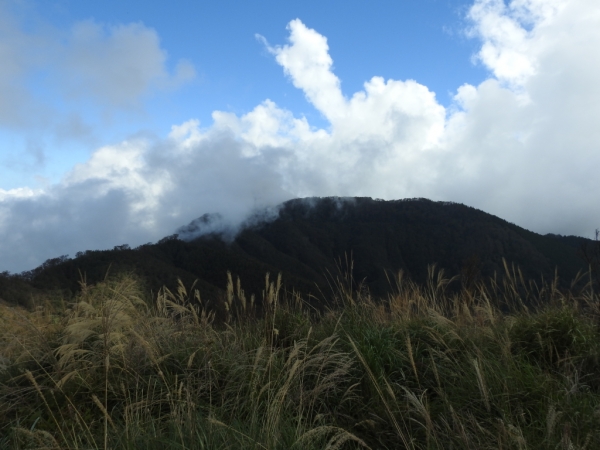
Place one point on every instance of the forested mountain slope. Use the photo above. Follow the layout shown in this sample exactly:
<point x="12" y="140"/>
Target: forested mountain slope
<point x="312" y="239"/>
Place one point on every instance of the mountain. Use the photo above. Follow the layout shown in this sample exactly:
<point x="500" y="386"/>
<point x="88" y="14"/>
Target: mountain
<point x="310" y="241"/>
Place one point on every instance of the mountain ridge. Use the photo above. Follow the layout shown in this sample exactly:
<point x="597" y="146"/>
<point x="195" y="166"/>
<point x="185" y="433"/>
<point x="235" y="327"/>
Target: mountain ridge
<point x="309" y="241"/>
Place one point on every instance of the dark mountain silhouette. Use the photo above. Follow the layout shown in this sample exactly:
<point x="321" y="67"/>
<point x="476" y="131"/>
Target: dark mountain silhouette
<point x="311" y="240"/>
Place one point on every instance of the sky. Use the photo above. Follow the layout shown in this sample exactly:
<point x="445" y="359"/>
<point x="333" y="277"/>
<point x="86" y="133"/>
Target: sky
<point x="122" y="121"/>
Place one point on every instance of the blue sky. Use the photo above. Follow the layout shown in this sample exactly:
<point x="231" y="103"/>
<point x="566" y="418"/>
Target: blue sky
<point x="121" y="121"/>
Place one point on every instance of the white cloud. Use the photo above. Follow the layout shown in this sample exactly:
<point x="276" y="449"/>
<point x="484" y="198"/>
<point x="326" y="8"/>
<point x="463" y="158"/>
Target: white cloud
<point x="111" y="66"/>
<point x="19" y="54"/>
<point x="522" y="145"/>
<point x="60" y="88"/>
<point x="18" y="193"/>
<point x="117" y="65"/>
<point x="307" y="62"/>
<point x="514" y="35"/>
<point x="531" y="161"/>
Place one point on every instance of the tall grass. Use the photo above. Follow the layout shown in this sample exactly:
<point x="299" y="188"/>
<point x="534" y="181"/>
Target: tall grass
<point x="505" y="364"/>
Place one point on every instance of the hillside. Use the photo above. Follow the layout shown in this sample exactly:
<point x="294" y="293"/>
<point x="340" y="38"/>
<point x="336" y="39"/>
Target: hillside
<point x="310" y="242"/>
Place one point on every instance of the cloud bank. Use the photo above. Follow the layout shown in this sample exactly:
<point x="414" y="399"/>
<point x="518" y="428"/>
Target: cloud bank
<point x="522" y="145"/>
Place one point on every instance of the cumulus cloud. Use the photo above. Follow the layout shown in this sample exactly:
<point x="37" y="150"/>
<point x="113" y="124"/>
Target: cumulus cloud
<point x="527" y="152"/>
<point x="521" y="145"/>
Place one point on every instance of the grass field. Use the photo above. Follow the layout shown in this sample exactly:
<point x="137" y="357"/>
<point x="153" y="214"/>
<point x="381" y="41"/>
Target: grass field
<point x="505" y="364"/>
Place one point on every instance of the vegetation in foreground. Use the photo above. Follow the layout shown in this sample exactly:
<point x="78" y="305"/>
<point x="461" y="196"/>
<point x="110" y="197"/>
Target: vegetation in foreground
<point x="501" y="365"/>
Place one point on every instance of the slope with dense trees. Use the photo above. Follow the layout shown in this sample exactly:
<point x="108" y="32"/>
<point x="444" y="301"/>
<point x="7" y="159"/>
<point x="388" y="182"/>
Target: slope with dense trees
<point x="312" y="241"/>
